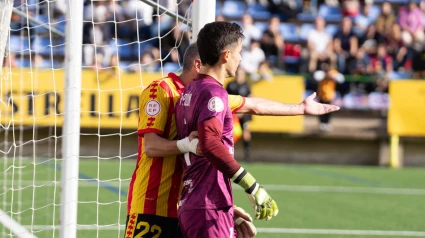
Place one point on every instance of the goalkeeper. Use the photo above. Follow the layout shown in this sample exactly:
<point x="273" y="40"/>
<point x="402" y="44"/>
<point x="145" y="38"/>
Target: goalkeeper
<point x="155" y="184"/>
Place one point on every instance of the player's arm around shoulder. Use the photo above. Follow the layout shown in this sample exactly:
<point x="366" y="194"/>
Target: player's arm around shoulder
<point x="154" y="114"/>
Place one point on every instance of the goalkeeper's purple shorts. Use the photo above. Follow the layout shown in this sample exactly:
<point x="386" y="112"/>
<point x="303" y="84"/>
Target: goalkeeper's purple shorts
<point x="207" y="223"/>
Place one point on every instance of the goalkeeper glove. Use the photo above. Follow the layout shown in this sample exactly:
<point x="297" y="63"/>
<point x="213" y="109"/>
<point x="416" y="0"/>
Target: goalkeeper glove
<point x="185" y="145"/>
<point x="243" y="224"/>
<point x="263" y="204"/>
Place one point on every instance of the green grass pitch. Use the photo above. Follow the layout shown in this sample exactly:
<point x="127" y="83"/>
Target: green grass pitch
<point x="311" y="198"/>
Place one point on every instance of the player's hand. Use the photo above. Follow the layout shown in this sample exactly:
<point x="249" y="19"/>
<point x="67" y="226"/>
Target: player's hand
<point x="194" y="135"/>
<point x="264" y="206"/>
<point x="243" y="223"/>
<point x="312" y="107"/>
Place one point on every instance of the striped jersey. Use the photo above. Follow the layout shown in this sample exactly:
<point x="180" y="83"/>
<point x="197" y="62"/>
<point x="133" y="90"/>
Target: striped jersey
<point x="156" y="182"/>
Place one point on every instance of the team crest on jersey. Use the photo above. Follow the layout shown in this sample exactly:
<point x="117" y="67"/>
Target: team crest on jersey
<point x="152" y="108"/>
<point x="215" y="104"/>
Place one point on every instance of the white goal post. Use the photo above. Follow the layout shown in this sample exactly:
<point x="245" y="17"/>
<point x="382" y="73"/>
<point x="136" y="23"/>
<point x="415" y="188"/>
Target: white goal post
<point x="57" y="175"/>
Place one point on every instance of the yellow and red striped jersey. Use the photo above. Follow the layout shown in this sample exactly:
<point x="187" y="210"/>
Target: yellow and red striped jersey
<point x="156" y="182"/>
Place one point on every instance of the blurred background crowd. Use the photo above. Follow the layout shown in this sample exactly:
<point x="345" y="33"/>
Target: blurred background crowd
<point x="368" y="41"/>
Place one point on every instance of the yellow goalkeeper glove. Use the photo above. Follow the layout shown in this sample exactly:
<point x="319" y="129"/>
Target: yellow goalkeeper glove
<point x="243" y="224"/>
<point x="264" y="206"/>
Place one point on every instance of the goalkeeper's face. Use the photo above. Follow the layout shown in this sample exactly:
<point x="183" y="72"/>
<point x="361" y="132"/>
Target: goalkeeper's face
<point x="233" y="59"/>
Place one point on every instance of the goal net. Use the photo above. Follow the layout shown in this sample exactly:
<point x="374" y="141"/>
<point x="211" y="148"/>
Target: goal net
<point x="126" y="45"/>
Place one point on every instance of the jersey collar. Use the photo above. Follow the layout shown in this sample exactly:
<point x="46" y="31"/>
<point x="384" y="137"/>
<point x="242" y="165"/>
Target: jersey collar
<point x="176" y="81"/>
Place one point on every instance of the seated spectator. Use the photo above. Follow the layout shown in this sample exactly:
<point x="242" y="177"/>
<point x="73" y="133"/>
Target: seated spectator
<point x="386" y="19"/>
<point x="252" y="58"/>
<point x="419" y="64"/>
<point x="350" y="8"/>
<point x="286" y="8"/>
<point x="382" y="64"/>
<point x="345" y="45"/>
<point x="372" y="34"/>
<point x="396" y="48"/>
<point x="411" y="20"/>
<point x="250" y="31"/>
<point x="272" y="41"/>
<point x="362" y="65"/>
<point x="319" y="43"/>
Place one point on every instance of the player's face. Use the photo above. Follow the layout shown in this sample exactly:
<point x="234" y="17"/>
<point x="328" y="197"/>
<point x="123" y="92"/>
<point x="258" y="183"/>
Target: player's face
<point x="234" y="60"/>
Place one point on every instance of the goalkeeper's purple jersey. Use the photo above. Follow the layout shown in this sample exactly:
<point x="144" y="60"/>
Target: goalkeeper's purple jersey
<point x="204" y="187"/>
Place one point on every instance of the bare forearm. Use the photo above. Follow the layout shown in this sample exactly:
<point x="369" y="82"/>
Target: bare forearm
<point x="266" y="107"/>
<point x="156" y="146"/>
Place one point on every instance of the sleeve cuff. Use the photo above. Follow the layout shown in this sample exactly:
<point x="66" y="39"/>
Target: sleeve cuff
<point x="149" y="130"/>
<point x="240" y="106"/>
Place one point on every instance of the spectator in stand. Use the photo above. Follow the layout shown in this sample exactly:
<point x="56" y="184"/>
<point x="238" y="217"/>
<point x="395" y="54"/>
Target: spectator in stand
<point x="319" y="43"/>
<point x="382" y="64"/>
<point x="372" y="34"/>
<point x="250" y="31"/>
<point x="252" y="58"/>
<point x="272" y="41"/>
<point x="345" y="45"/>
<point x="350" y="8"/>
<point x="239" y="86"/>
<point x="284" y="7"/>
<point x="386" y="19"/>
<point x="362" y="63"/>
<point x="174" y="44"/>
<point x="396" y="48"/>
<point x="411" y="20"/>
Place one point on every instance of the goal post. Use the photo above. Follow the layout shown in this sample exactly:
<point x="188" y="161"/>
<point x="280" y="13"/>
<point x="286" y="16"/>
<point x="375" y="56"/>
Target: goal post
<point x="71" y="124"/>
<point x="5" y="15"/>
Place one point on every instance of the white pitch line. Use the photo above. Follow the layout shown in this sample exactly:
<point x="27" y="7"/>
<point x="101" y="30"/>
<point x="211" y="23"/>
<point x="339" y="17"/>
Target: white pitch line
<point x="115" y="227"/>
<point x="270" y="187"/>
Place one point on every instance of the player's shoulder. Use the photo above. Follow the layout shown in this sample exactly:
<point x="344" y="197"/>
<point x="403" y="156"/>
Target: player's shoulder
<point x="163" y="83"/>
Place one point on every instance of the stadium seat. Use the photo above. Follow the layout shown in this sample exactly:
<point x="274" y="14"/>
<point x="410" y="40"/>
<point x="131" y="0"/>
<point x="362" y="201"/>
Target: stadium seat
<point x="41" y="45"/>
<point x="170" y="67"/>
<point x="332" y="29"/>
<point x="262" y="26"/>
<point x="218" y="8"/>
<point x="305" y="31"/>
<point x="305" y="17"/>
<point x="289" y="32"/>
<point x="330" y="13"/>
<point x="258" y="11"/>
<point x="124" y="48"/>
<point x="19" y="44"/>
<point x="233" y="9"/>
<point x="374" y="12"/>
<point x="141" y="48"/>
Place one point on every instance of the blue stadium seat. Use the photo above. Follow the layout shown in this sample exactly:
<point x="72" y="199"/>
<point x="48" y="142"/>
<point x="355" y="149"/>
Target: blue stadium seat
<point x="305" y="30"/>
<point x="332" y="29"/>
<point x="305" y="17"/>
<point x="141" y="48"/>
<point x="233" y="9"/>
<point x="59" y="46"/>
<point x="22" y="62"/>
<point x="218" y="8"/>
<point x="38" y="28"/>
<point x="258" y="11"/>
<point x="374" y="12"/>
<point x="41" y="45"/>
<point x="262" y="26"/>
<point x="170" y="67"/>
<point x="19" y="44"/>
<point x="289" y="32"/>
<point x="124" y="48"/>
<point x="330" y="13"/>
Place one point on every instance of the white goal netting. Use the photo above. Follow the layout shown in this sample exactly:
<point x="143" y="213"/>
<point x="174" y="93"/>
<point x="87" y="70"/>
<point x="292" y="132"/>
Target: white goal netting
<point x="126" y="45"/>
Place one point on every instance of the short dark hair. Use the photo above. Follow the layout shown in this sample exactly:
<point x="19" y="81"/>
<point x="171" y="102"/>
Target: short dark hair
<point x="190" y="55"/>
<point x="215" y="37"/>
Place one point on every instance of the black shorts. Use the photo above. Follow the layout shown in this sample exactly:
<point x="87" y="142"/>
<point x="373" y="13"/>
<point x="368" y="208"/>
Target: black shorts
<point x="152" y="226"/>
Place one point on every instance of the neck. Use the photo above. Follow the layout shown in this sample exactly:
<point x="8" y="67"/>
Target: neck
<point x="217" y="72"/>
<point x="186" y="78"/>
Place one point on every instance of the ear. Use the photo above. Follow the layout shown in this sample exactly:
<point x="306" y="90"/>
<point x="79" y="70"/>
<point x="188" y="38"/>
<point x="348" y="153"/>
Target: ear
<point x="225" y="56"/>
<point x="197" y="64"/>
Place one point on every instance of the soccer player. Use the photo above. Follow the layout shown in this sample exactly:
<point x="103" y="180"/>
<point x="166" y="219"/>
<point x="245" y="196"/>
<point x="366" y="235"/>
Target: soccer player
<point x="206" y="203"/>
<point x="156" y="181"/>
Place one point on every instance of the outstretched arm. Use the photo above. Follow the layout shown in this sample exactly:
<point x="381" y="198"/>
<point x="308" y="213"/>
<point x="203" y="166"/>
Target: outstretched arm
<point x="267" y="107"/>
